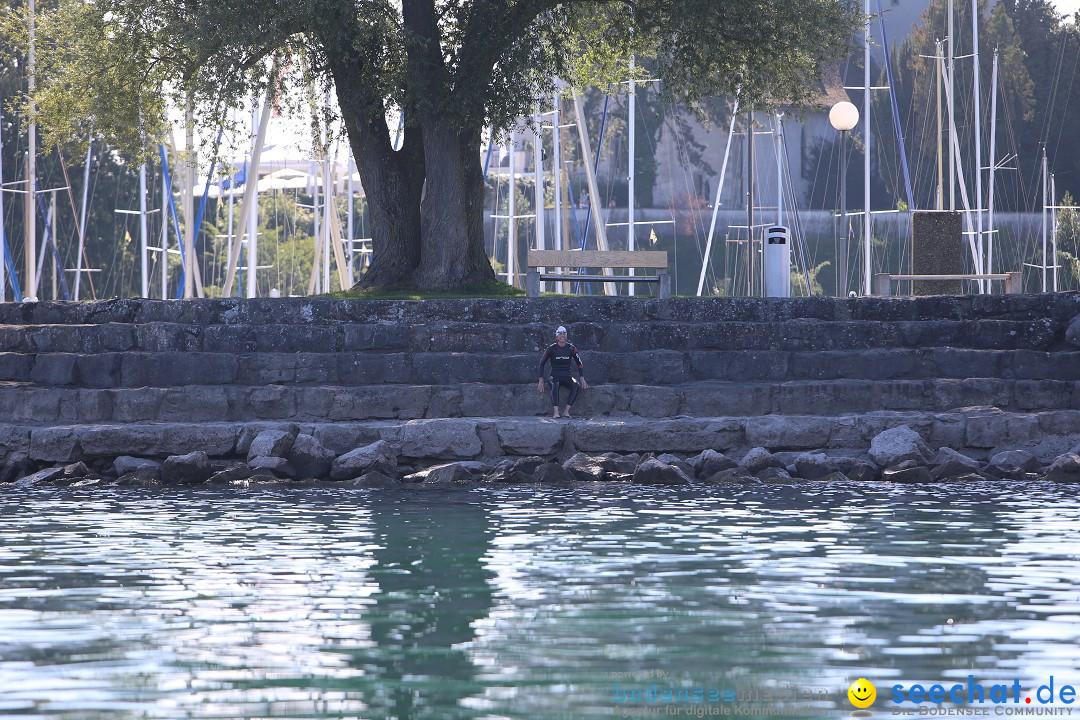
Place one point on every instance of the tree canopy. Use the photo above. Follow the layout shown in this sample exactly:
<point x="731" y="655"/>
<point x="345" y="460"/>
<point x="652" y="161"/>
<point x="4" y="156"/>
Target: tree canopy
<point x="453" y="67"/>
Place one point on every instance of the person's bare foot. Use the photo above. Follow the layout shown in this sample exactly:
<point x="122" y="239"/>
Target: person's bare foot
<point x="566" y="413"/>
<point x="555" y="415"/>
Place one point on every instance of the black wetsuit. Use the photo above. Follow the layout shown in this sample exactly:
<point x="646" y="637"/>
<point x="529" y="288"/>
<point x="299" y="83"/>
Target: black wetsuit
<point x="562" y="361"/>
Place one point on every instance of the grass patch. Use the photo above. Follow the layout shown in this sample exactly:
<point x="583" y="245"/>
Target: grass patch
<point x="495" y="290"/>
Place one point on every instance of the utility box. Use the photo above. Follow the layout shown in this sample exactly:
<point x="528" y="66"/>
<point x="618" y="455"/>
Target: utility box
<point x="937" y="238"/>
<point x="777" y="262"/>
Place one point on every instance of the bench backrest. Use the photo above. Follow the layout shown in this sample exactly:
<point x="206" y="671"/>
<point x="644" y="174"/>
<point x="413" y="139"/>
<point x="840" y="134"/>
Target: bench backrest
<point x="598" y="258"/>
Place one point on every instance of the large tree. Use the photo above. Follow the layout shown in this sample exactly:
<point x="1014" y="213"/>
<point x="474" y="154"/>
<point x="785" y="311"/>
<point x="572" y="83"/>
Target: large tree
<point x="453" y="67"/>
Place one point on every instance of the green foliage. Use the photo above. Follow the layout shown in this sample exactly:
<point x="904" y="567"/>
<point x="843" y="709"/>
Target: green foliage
<point x="798" y="280"/>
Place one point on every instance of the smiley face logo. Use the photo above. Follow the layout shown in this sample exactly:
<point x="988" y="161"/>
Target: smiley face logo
<point x="862" y="693"/>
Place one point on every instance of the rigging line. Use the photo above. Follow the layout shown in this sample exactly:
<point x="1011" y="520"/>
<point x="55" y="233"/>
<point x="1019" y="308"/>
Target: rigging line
<point x="75" y="216"/>
<point x="1051" y="99"/>
<point x="1068" y="97"/>
<point x="800" y="237"/>
<point x="895" y="109"/>
<point x="596" y="167"/>
<point x="51" y="242"/>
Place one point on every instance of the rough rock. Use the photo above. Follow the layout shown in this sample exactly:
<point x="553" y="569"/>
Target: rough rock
<point x="277" y="465"/>
<point x="653" y="471"/>
<point x="735" y="474"/>
<point x="310" y="459"/>
<point x="127" y="464"/>
<point x="76" y="470"/>
<point x="708" y="463"/>
<point x="41" y="477"/>
<point x="773" y="475"/>
<point x="669" y="459"/>
<point x="898" y="444"/>
<point x="1072" y="333"/>
<point x="811" y="466"/>
<point x="551" y="472"/>
<point x="18" y="465"/>
<point x="186" y="469"/>
<point x="273" y="442"/>
<point x="1064" y="469"/>
<point x="378" y="455"/>
<point x="585" y="467"/>
<point x="615" y="464"/>
<point x="758" y="459"/>
<point x="834" y="477"/>
<point x="144" y="476"/>
<point x="857" y="470"/>
<point x="917" y="474"/>
<point x="233" y="473"/>
<point x="450" y="474"/>
<point x="514" y="469"/>
<point x="1020" y="458"/>
<point x="948" y="463"/>
<point x="375" y="479"/>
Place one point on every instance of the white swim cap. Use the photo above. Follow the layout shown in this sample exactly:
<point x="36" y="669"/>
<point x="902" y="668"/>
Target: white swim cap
<point x="561" y="330"/>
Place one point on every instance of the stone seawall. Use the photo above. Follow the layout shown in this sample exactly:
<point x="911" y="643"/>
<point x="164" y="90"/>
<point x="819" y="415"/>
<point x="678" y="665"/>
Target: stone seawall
<point x="455" y="379"/>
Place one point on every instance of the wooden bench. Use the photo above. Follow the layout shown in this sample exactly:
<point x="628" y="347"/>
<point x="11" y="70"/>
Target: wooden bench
<point x="1013" y="280"/>
<point x="606" y="260"/>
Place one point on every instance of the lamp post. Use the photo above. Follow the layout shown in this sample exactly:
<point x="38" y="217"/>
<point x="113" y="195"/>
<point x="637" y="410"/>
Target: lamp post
<point x="843" y="116"/>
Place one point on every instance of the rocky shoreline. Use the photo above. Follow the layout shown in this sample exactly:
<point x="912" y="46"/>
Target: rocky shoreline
<point x="284" y="455"/>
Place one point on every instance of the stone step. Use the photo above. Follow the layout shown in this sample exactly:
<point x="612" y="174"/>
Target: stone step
<point x="978" y="432"/>
<point x="36" y="404"/>
<point x="1061" y="307"/>
<point x="493" y="338"/>
<point x="653" y="367"/>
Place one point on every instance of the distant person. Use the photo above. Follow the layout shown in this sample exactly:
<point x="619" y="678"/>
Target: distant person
<point x="563" y="357"/>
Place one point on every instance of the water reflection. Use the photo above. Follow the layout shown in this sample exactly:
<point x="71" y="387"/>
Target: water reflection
<point x="521" y="602"/>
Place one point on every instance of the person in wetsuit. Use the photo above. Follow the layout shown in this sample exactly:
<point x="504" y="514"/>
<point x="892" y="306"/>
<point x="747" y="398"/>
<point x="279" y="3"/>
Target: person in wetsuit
<point x="563" y="357"/>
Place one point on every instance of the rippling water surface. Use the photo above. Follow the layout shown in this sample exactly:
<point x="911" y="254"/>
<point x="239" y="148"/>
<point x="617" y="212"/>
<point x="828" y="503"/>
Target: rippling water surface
<point x="331" y="602"/>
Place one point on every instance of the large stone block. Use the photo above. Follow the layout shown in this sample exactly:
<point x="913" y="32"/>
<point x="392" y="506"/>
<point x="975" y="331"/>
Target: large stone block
<point x="540" y="436"/>
<point x="441" y="439"/>
<point x="54" y="444"/>
<point x="158" y="440"/>
<point x="658" y="436"/>
<point x="780" y="432"/>
<point x="54" y="369"/>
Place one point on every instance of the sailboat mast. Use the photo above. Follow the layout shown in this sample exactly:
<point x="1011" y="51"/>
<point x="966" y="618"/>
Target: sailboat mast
<point x="978" y="134"/>
<point x="992" y="163"/>
<point x="31" y="168"/>
<point x="866" y="154"/>
<point x="950" y="94"/>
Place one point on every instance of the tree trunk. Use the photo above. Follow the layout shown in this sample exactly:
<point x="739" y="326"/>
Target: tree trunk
<point x="393" y="183"/>
<point x="453" y="256"/>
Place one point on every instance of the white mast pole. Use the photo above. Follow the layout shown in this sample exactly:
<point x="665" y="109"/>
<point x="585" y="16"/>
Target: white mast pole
<point x="590" y="179"/>
<point x="31" y="169"/>
<point x="538" y="194"/>
<point x="349" y="222"/>
<point x="778" y="145"/>
<point x="1053" y="230"/>
<point x="252" y="180"/>
<point x="144" y="265"/>
<point x="978" y="134"/>
<point x="82" y="221"/>
<point x="1044" y="184"/>
<point x="631" y="237"/>
<point x="3" y="236"/>
<point x="557" y="172"/>
<point x="992" y="163"/>
<point x="188" y="197"/>
<point x="511" y="235"/>
<point x="867" y="264"/>
<point x="164" y="236"/>
<point x="951" y="107"/>
<point x="716" y="203"/>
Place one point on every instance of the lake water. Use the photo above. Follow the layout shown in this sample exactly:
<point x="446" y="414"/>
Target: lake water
<point x="528" y="602"/>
